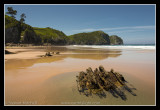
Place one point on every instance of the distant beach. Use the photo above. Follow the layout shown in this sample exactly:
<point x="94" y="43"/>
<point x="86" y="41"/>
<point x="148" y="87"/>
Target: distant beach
<point x="34" y="80"/>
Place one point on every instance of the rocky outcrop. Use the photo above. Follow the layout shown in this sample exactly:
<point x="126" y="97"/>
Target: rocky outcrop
<point x="98" y="81"/>
<point x="57" y="52"/>
<point x="115" y="40"/>
<point x="95" y="38"/>
<point x="8" y="52"/>
<point x="48" y="54"/>
<point x="90" y="38"/>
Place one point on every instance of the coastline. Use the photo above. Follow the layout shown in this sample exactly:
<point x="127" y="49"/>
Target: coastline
<point x="23" y="53"/>
<point x="38" y="77"/>
<point x="32" y="52"/>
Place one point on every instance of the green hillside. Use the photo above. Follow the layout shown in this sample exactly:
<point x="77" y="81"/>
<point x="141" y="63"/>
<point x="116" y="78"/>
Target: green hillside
<point x="95" y="38"/>
<point x="17" y="32"/>
<point x="90" y="38"/>
<point x="49" y="35"/>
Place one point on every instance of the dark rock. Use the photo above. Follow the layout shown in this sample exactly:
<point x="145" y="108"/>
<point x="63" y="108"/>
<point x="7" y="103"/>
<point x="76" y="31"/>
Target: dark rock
<point x="57" y="52"/>
<point x="8" y="52"/>
<point x="98" y="80"/>
<point x="48" y="54"/>
<point x="115" y="40"/>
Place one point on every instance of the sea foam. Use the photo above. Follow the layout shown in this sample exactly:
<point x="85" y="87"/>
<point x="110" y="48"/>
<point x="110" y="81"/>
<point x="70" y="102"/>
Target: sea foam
<point x="150" y="47"/>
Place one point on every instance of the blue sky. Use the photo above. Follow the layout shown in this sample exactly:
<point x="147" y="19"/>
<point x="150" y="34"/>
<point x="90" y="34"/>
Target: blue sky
<point x="135" y="24"/>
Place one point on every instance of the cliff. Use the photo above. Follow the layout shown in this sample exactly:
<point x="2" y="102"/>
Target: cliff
<point x="115" y="40"/>
<point x="16" y="32"/>
<point x="12" y="30"/>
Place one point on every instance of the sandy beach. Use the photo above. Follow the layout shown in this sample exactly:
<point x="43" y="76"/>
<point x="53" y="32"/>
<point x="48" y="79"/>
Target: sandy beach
<point x="33" y="80"/>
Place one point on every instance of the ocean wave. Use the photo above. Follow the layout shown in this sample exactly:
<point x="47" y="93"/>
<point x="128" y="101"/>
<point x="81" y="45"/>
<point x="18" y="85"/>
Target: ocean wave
<point x="119" y="46"/>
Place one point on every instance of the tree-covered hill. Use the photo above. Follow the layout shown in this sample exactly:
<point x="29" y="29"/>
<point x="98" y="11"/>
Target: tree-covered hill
<point x="19" y="32"/>
<point x="90" y="38"/>
<point x="12" y="30"/>
<point x="53" y="36"/>
<point x="94" y="38"/>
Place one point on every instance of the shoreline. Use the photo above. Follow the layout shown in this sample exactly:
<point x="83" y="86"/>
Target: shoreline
<point x="23" y="54"/>
<point x="32" y="52"/>
<point x="38" y="78"/>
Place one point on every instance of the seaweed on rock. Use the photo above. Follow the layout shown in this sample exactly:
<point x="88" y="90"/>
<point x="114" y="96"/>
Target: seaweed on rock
<point x="99" y="81"/>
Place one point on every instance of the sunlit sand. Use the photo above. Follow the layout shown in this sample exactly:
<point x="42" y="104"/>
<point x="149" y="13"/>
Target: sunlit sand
<point x="33" y="80"/>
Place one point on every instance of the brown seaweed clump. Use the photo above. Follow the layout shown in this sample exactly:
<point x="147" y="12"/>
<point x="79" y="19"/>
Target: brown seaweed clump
<point x="48" y="54"/>
<point x="98" y="81"/>
<point x="57" y="52"/>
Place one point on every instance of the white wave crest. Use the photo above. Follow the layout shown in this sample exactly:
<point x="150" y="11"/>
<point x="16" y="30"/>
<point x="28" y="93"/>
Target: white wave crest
<point x="118" y="46"/>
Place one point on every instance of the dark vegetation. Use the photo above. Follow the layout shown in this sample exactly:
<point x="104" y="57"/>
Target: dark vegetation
<point x="52" y="36"/>
<point x="18" y="32"/>
<point x="90" y="38"/>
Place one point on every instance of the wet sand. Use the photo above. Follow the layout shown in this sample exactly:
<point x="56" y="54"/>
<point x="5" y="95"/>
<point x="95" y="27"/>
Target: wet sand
<point x="30" y="80"/>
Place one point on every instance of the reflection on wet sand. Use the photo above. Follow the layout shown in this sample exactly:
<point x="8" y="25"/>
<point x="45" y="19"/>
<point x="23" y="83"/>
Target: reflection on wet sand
<point x="52" y="80"/>
<point x="65" y="53"/>
<point x="71" y="49"/>
<point x="67" y="80"/>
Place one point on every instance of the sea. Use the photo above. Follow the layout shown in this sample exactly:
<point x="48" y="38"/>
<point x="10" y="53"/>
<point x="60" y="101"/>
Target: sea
<point x="125" y="46"/>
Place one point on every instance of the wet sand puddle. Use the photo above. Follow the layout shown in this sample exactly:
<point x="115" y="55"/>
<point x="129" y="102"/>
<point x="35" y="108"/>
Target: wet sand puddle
<point x="52" y="80"/>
